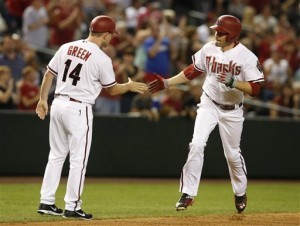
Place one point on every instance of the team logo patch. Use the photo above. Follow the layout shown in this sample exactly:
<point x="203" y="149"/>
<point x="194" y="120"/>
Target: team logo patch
<point x="258" y="65"/>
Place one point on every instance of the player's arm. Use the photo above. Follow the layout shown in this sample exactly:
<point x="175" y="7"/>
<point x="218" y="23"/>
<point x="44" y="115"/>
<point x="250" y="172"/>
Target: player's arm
<point x="132" y="86"/>
<point x="184" y="76"/>
<point x="42" y="106"/>
<point x="249" y="87"/>
<point x="253" y="73"/>
<point x="177" y="79"/>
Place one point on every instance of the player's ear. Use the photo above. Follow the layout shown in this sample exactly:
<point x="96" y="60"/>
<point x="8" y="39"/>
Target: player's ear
<point x="107" y="35"/>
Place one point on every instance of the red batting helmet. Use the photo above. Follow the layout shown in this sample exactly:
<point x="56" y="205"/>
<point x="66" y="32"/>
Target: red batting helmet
<point x="230" y="25"/>
<point x="101" y="24"/>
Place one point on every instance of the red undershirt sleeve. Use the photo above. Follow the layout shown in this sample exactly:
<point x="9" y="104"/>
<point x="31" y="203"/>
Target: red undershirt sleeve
<point x="191" y="72"/>
<point x="255" y="88"/>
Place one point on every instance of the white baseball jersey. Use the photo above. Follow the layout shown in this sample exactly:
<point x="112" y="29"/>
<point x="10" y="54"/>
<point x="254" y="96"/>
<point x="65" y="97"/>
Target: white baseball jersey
<point x="244" y="65"/>
<point x="82" y="70"/>
<point x="239" y="61"/>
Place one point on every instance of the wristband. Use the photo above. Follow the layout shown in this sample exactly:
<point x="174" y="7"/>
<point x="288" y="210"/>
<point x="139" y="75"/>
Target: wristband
<point x="232" y="82"/>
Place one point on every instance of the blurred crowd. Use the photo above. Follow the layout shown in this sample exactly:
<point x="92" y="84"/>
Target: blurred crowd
<point x="156" y="37"/>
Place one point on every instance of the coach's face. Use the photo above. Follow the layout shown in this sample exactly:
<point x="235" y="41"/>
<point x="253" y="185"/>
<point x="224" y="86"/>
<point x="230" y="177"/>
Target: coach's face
<point x="106" y="39"/>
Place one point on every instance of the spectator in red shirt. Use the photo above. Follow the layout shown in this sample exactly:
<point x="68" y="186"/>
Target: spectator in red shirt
<point x="65" y="19"/>
<point x="29" y="91"/>
<point x="152" y="11"/>
<point x="14" y="11"/>
<point x="286" y="98"/>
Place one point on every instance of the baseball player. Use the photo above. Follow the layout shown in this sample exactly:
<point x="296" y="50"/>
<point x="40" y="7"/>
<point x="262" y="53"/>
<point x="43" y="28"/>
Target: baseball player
<point x="231" y="70"/>
<point x="81" y="69"/>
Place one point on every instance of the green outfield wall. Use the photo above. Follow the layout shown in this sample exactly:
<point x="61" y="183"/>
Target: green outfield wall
<point x="136" y="147"/>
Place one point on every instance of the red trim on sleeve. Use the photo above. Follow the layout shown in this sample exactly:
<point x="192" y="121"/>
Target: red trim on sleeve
<point x="255" y="88"/>
<point x="191" y="72"/>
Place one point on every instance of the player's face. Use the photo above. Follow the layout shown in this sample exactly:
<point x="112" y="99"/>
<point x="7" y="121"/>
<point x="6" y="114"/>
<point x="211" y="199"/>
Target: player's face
<point x="221" y="39"/>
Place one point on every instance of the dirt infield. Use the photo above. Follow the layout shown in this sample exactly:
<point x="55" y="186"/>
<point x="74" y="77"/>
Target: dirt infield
<point x="276" y="219"/>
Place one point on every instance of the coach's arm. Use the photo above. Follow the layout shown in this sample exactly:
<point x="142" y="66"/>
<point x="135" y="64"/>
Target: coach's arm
<point x="132" y="86"/>
<point x="42" y="106"/>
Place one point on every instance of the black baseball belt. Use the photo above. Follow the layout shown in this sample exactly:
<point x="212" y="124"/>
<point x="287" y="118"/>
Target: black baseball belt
<point x="226" y="107"/>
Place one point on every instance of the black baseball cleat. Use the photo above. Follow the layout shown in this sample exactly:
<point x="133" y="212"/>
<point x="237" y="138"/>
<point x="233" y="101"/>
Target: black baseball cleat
<point x="77" y="214"/>
<point x="240" y="203"/>
<point x="184" y="201"/>
<point x="49" y="209"/>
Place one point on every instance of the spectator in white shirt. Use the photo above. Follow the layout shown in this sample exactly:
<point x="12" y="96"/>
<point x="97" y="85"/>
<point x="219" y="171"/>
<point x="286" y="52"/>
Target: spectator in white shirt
<point x="35" y="19"/>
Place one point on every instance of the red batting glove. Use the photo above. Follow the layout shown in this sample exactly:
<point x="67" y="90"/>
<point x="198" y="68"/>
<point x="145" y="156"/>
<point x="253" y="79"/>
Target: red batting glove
<point x="158" y="84"/>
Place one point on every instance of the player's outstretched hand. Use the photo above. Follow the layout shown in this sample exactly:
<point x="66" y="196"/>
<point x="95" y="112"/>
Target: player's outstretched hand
<point x="138" y="87"/>
<point x="227" y="79"/>
<point x="158" y="84"/>
<point x="42" y="109"/>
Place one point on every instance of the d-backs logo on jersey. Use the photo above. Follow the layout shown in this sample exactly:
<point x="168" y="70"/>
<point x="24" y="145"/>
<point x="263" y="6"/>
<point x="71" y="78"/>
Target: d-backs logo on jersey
<point x="259" y="67"/>
<point x="217" y="67"/>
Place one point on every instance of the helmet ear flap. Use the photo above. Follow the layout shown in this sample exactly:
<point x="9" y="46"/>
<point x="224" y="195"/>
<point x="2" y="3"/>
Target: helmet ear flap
<point x="229" y="38"/>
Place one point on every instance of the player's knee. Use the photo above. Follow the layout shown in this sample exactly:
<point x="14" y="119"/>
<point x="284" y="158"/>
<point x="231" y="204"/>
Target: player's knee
<point x="77" y="164"/>
<point x="233" y="155"/>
